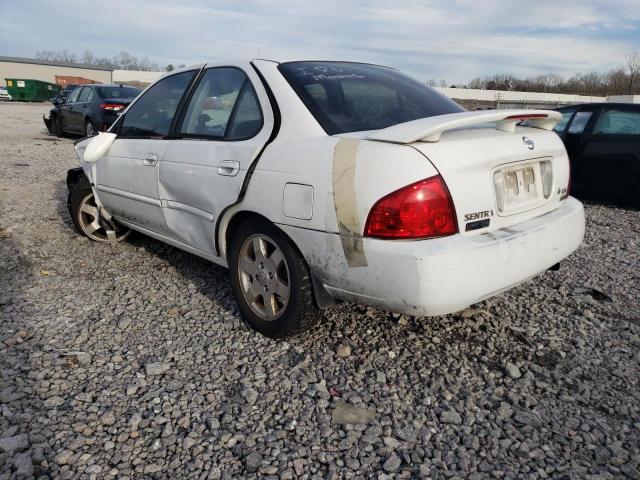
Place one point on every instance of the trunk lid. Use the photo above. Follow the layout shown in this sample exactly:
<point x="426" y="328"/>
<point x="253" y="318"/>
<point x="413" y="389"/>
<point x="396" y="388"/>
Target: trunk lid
<point x="498" y="175"/>
<point x="495" y="179"/>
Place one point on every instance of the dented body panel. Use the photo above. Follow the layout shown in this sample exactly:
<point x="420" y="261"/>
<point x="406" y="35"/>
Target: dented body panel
<point x="444" y="275"/>
<point x="319" y="190"/>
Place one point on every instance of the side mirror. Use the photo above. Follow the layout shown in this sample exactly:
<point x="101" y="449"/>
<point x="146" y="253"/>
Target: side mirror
<point x="56" y="101"/>
<point x="96" y="146"/>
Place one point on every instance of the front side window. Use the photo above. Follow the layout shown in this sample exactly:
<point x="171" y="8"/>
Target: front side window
<point x="619" y="122"/>
<point x="84" y="94"/>
<point x="562" y="124"/>
<point x="74" y="96"/>
<point x="579" y="122"/>
<point x="349" y="97"/>
<point x="152" y="114"/>
<point x="224" y="105"/>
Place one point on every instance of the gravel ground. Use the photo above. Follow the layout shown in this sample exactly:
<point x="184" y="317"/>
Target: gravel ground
<point x="131" y="361"/>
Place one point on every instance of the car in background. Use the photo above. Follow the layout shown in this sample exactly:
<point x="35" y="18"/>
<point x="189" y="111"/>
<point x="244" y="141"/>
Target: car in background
<point x="4" y="94"/>
<point x="315" y="181"/>
<point x="603" y="143"/>
<point x="89" y="109"/>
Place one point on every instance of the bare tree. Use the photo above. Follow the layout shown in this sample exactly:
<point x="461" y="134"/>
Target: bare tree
<point x="124" y="60"/>
<point x="622" y="80"/>
<point x="633" y="65"/>
<point x="56" y="55"/>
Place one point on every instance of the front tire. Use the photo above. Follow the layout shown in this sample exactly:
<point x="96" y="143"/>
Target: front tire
<point x="270" y="281"/>
<point x="57" y="126"/>
<point x="86" y="216"/>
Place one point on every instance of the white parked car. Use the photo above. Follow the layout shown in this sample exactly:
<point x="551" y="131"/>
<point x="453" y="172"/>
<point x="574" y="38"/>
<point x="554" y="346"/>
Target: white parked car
<point x="4" y="94"/>
<point x="317" y="181"/>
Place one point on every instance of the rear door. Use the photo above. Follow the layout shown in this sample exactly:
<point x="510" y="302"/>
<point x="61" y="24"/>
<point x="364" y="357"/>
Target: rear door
<point x="223" y="127"/>
<point x="609" y="162"/>
<point x="127" y="177"/>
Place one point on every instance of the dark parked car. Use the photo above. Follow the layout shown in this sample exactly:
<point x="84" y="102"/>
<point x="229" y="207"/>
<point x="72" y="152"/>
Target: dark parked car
<point x="603" y="142"/>
<point x="89" y="109"/>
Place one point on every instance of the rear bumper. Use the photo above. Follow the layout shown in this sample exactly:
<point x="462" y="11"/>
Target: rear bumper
<point x="445" y="275"/>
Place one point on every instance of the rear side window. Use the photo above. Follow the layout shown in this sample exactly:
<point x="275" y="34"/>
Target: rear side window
<point x="349" y="97"/>
<point x="580" y="122"/>
<point x="562" y="124"/>
<point x="620" y="122"/>
<point x="224" y="106"/>
<point x="152" y="114"/>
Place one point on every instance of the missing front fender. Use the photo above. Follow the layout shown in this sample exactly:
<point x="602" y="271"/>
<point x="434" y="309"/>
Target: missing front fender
<point x="74" y="176"/>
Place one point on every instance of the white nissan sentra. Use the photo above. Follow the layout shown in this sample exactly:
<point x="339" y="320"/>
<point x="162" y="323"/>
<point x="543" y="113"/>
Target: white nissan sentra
<point x="321" y="181"/>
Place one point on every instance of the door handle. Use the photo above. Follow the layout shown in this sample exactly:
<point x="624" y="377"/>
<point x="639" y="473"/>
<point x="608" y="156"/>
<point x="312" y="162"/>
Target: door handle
<point x="150" y="159"/>
<point x="228" y="168"/>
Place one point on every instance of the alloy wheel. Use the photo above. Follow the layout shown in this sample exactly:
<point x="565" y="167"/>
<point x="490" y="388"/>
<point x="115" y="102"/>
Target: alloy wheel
<point x="264" y="277"/>
<point x="94" y="226"/>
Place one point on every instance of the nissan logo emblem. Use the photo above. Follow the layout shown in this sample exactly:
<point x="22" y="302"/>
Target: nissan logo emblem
<point x="529" y="143"/>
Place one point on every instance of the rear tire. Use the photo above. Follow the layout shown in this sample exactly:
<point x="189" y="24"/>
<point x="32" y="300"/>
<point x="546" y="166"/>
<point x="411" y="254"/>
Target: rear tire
<point x="89" y="129"/>
<point x="270" y="281"/>
<point x="86" y="216"/>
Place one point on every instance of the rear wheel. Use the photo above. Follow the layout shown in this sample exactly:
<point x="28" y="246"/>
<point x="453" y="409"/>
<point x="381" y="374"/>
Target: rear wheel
<point x="89" y="129"/>
<point x="87" y="219"/>
<point x="270" y="280"/>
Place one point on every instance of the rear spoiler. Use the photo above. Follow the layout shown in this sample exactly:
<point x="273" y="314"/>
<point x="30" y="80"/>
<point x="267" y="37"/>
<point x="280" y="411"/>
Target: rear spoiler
<point x="430" y="129"/>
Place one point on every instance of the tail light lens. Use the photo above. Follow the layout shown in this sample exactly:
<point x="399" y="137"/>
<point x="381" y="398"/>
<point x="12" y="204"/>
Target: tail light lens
<point x="546" y="170"/>
<point x="116" y="107"/>
<point x="421" y="210"/>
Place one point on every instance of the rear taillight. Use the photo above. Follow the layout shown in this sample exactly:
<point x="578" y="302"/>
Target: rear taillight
<point x="421" y="210"/>
<point x="546" y="170"/>
<point x="112" y="106"/>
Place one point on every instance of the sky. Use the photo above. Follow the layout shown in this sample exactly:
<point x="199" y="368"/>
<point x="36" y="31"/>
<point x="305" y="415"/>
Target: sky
<point x="455" y="40"/>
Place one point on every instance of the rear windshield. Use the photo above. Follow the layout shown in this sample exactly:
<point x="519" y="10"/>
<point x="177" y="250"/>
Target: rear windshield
<point x="118" y="92"/>
<point x="351" y="97"/>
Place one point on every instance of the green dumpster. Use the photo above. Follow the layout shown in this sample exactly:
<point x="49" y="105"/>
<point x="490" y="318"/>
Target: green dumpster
<point x="28" y="90"/>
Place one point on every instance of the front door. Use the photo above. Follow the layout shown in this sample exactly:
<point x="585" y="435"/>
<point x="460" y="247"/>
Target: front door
<point x="70" y="113"/>
<point x="581" y="124"/>
<point x="127" y="176"/>
<point x="201" y="172"/>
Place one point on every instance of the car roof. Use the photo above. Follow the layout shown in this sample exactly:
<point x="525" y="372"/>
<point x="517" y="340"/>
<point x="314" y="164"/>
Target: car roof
<point x="601" y="104"/>
<point x="108" y="85"/>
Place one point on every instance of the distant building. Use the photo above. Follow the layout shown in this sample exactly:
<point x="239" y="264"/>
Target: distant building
<point x="624" y="98"/>
<point x="472" y="98"/>
<point x="29" y="68"/>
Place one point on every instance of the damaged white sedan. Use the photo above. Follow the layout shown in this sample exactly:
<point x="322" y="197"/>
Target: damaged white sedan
<point x="321" y="181"/>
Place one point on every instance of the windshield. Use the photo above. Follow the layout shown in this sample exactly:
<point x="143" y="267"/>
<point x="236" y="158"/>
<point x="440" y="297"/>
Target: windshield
<point x="351" y="97"/>
<point x="118" y="92"/>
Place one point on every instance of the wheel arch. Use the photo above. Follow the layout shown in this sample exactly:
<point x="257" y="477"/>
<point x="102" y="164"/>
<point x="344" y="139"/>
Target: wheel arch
<point x="228" y="228"/>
